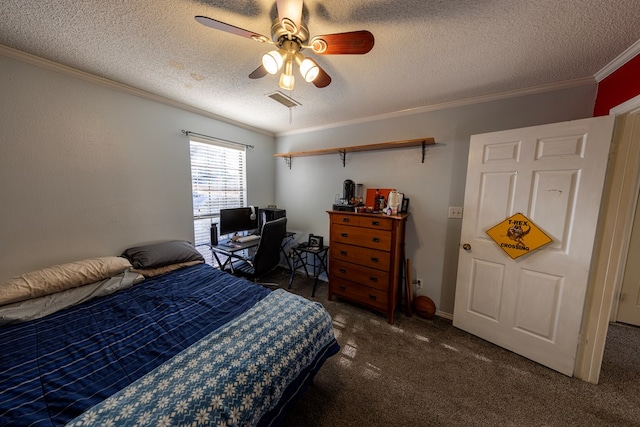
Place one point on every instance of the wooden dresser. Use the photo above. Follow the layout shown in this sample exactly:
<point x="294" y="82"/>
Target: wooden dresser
<point x="365" y="258"/>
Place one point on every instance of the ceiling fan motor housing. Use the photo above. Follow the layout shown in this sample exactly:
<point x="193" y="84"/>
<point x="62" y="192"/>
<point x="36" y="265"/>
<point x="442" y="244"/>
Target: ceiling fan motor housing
<point x="280" y="35"/>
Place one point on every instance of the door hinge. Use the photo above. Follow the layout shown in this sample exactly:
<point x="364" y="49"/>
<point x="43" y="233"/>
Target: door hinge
<point x="621" y="297"/>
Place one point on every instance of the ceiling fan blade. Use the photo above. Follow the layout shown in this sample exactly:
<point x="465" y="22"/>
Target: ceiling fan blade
<point x="258" y="73"/>
<point x="323" y="79"/>
<point x="228" y="28"/>
<point x="290" y="15"/>
<point x="352" y="43"/>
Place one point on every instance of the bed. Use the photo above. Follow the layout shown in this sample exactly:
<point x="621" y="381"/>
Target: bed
<point x="164" y="342"/>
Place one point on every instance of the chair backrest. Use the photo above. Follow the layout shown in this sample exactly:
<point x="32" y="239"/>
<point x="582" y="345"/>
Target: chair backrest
<point x="267" y="255"/>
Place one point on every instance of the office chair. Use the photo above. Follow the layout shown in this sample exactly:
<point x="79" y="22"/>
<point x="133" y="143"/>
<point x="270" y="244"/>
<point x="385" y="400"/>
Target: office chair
<point x="267" y="256"/>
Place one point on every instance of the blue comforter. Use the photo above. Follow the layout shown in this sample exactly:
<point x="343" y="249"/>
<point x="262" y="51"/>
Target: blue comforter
<point x="55" y="368"/>
<point x="232" y="377"/>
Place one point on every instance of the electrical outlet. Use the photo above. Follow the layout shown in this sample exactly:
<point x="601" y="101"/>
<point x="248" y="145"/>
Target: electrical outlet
<point x="418" y="283"/>
<point x="455" y="211"/>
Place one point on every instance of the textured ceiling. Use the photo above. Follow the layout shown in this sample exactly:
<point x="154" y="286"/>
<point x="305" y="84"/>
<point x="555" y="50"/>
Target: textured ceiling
<point x="426" y="52"/>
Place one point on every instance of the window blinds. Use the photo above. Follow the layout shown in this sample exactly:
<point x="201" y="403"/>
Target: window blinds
<point x="218" y="181"/>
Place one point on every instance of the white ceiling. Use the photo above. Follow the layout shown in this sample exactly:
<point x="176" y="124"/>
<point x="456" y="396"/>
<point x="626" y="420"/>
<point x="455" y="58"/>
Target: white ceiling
<point x="426" y="52"/>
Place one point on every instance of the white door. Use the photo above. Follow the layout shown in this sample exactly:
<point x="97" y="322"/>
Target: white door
<point x="553" y="175"/>
<point x="629" y="305"/>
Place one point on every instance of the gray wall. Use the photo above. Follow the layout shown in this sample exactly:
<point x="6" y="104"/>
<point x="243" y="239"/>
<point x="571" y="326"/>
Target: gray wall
<point x="86" y="170"/>
<point x="307" y="190"/>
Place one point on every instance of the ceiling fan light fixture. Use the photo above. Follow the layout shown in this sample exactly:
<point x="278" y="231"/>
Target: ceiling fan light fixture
<point x="290" y="34"/>
<point x="287" y="80"/>
<point x="309" y="69"/>
<point x="272" y="61"/>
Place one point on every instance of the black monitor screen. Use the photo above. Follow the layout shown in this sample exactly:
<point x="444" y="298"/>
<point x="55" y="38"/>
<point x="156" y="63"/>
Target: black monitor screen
<point x="238" y="219"/>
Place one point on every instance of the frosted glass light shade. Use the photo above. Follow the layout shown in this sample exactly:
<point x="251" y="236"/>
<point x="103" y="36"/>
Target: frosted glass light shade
<point x="309" y="70"/>
<point x="287" y="81"/>
<point x="272" y="61"/>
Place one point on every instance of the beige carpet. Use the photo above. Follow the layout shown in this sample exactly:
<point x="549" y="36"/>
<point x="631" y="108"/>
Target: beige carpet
<point x="421" y="372"/>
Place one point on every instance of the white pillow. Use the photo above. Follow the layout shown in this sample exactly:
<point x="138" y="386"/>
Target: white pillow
<point x="60" y="277"/>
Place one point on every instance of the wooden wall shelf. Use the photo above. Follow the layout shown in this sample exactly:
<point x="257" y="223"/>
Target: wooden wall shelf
<point x="342" y="151"/>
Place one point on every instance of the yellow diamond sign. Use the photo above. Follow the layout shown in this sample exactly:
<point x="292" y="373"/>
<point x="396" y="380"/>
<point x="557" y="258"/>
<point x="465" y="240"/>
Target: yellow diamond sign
<point x="518" y="236"/>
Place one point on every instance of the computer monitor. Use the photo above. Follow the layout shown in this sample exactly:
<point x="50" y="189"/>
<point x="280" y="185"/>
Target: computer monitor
<point x="239" y="219"/>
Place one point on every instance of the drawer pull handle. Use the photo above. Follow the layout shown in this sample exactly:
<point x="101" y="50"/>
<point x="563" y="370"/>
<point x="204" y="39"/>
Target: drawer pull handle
<point x="343" y="288"/>
<point x="345" y="219"/>
<point x="344" y="234"/>
<point x="373" y="297"/>
<point x="343" y="253"/>
<point x="343" y="270"/>
<point x="374" y="259"/>
<point x="375" y="222"/>
<point x="373" y="278"/>
<point x="376" y="239"/>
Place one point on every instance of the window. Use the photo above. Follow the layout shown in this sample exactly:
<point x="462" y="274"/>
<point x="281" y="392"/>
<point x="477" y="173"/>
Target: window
<point x="218" y="181"/>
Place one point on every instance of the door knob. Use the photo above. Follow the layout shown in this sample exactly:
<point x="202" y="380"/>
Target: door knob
<point x="466" y="247"/>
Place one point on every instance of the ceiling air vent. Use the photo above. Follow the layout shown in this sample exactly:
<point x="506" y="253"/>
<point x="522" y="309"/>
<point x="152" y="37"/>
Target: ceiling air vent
<point x="283" y="99"/>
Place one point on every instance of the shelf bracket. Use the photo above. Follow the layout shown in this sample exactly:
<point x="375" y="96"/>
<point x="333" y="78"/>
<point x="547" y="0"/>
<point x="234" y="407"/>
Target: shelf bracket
<point x="343" y="157"/>
<point x="287" y="159"/>
<point x="424" y="150"/>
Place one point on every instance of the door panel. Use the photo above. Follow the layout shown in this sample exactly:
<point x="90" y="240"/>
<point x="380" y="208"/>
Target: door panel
<point x="496" y="199"/>
<point x="553" y="203"/>
<point x="538" y="303"/>
<point x="487" y="288"/>
<point x="554" y="175"/>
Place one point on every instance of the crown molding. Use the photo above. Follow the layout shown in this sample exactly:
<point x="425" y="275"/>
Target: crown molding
<point x="452" y="104"/>
<point x="82" y="75"/>
<point x="618" y="62"/>
<point x="101" y="81"/>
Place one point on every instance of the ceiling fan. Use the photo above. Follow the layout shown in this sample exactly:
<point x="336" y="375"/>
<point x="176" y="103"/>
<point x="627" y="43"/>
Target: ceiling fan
<point x="290" y="35"/>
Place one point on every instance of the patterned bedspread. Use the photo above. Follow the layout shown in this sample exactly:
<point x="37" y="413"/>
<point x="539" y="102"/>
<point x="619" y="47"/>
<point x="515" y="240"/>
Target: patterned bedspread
<point x="233" y="376"/>
<point x="54" y="369"/>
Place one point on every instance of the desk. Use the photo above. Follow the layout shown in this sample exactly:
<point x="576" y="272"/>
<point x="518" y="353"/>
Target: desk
<point x="230" y="250"/>
<point x="318" y="254"/>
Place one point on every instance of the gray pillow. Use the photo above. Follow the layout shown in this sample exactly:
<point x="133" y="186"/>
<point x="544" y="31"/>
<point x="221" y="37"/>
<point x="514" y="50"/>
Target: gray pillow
<point x="161" y="254"/>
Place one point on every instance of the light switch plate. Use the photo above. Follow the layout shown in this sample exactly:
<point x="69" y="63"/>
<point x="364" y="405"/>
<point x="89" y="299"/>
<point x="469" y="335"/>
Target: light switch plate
<point x="455" y="211"/>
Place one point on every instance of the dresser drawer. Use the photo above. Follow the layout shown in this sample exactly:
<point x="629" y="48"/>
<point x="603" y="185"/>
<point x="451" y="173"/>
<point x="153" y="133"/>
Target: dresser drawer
<point x="363" y="256"/>
<point x="378" y="222"/>
<point x="345" y="219"/>
<point x="381" y="223"/>
<point x="359" y="274"/>
<point x="359" y="293"/>
<point x="359" y="236"/>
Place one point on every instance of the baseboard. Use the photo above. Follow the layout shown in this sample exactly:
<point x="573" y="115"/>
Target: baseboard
<point x="444" y="315"/>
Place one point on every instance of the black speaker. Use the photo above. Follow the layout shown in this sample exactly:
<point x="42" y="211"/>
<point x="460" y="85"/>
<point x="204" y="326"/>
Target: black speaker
<point x="214" y="234"/>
